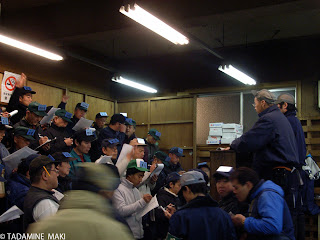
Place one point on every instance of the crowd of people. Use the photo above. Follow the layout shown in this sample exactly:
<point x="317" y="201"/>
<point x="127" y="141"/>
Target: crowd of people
<point x="97" y="182"/>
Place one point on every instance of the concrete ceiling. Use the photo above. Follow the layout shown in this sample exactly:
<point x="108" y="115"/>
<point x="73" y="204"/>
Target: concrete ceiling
<point x="254" y="35"/>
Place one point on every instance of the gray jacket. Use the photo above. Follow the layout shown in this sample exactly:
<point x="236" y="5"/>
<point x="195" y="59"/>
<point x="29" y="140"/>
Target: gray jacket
<point x="127" y="201"/>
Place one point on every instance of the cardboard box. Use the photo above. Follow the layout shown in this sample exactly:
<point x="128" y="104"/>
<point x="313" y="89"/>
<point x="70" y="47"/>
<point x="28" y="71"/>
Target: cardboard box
<point x="216" y="125"/>
<point x="226" y="140"/>
<point x="216" y="132"/>
<point x="229" y="130"/>
<point x="230" y="125"/>
<point x="211" y="138"/>
<point x="229" y="135"/>
<point x="213" y="142"/>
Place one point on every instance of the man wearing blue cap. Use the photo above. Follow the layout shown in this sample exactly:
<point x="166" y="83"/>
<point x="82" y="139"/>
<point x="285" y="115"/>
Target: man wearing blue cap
<point x="130" y="130"/>
<point x="79" y="111"/>
<point x="200" y="218"/>
<point x="152" y="144"/>
<point x="172" y="163"/>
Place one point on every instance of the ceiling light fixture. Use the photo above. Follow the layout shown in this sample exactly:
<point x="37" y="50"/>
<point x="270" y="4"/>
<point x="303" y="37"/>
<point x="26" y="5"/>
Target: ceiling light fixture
<point x="146" y="19"/>
<point x="133" y="84"/>
<point x="29" y="48"/>
<point x="235" y="73"/>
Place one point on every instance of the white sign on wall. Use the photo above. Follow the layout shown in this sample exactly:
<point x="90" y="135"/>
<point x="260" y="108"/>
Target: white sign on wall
<point x="9" y="81"/>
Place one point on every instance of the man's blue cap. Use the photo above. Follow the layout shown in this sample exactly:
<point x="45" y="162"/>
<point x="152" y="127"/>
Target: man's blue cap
<point x="202" y="165"/>
<point x="172" y="177"/>
<point x="177" y="151"/>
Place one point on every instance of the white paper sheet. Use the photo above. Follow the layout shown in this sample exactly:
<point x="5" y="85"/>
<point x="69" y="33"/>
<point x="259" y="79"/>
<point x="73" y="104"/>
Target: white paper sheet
<point x="57" y="194"/>
<point x="151" y="205"/>
<point x="104" y="159"/>
<point x="12" y="161"/>
<point x="12" y="213"/>
<point x="82" y="124"/>
<point x="157" y="170"/>
<point x="47" y="119"/>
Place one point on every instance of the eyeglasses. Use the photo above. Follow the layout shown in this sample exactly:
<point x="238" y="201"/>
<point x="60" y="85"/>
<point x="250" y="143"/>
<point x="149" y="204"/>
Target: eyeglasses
<point x="56" y="170"/>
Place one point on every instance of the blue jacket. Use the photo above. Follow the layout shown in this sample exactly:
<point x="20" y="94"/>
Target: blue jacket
<point x="74" y="163"/>
<point x="299" y="134"/>
<point x="272" y="141"/>
<point x="108" y="132"/>
<point x="270" y="214"/>
<point x="201" y="219"/>
<point x="17" y="188"/>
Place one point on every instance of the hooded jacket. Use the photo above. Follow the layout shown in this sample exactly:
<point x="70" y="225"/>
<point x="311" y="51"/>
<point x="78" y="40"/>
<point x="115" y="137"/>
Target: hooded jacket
<point x="83" y="215"/>
<point x="17" y="188"/>
<point x="272" y="141"/>
<point x="128" y="202"/>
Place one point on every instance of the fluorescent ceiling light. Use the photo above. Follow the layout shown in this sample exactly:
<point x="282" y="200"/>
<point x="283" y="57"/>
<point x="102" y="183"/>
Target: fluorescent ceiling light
<point x="235" y="73"/>
<point x="29" y="48"/>
<point x="133" y="84"/>
<point x="146" y="19"/>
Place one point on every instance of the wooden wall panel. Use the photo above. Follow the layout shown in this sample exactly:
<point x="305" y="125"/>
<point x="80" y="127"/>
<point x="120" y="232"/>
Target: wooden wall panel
<point x="141" y="131"/>
<point x="73" y="100"/>
<point x="50" y="96"/>
<point x="97" y="105"/>
<point x="175" y="135"/>
<point x="172" y="110"/>
<point x="135" y="110"/>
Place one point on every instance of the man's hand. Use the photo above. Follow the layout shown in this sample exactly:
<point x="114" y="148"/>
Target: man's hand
<point x="5" y="114"/>
<point x="20" y="83"/>
<point x="42" y="140"/>
<point x="134" y="142"/>
<point x="68" y="141"/>
<point x="154" y="179"/>
<point x="123" y="128"/>
<point x="170" y="210"/>
<point x="65" y="98"/>
<point x="147" y="198"/>
<point x="238" y="220"/>
<point x="225" y="149"/>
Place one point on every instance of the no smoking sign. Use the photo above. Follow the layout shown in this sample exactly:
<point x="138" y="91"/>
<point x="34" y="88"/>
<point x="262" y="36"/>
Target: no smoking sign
<point x="10" y="83"/>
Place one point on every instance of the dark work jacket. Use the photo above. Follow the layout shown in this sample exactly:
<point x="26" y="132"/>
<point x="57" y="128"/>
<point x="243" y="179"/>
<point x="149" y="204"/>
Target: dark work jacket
<point x="160" y="182"/>
<point x="33" y="197"/>
<point x="14" y="104"/>
<point x="161" y="221"/>
<point x="127" y="139"/>
<point x="272" y="141"/>
<point x="108" y="132"/>
<point x="201" y="218"/>
<point x="231" y="204"/>
<point x="70" y="125"/>
<point x="150" y="150"/>
<point x="299" y="134"/>
<point x="64" y="184"/>
<point x="38" y="130"/>
<point x="60" y="133"/>
<point x="17" y="187"/>
<point x="95" y="150"/>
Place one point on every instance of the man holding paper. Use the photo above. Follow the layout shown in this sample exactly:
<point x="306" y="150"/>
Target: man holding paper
<point x="127" y="199"/>
<point x="79" y="112"/>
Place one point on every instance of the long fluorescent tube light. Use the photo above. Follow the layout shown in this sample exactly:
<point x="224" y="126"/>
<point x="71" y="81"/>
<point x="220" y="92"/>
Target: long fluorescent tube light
<point x="146" y="19"/>
<point x="133" y="84"/>
<point x="29" y="48"/>
<point x="235" y="73"/>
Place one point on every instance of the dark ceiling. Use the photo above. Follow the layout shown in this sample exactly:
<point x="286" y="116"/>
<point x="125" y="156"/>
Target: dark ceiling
<point x="273" y="40"/>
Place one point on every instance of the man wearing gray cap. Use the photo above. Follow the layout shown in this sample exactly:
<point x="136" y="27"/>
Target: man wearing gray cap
<point x="201" y="218"/>
<point x="286" y="104"/>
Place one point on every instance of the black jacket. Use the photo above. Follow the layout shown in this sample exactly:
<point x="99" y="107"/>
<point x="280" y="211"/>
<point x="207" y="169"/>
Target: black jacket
<point x="14" y="104"/>
<point x="64" y="184"/>
<point x="231" y="204"/>
<point x="60" y="133"/>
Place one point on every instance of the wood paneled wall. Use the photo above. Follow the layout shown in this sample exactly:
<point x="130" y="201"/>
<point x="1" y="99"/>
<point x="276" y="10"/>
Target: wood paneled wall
<point x="173" y="117"/>
<point x="97" y="105"/>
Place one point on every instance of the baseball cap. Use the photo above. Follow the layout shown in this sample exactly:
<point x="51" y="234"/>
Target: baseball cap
<point x="174" y="176"/>
<point x="102" y="115"/>
<point x="286" y="97"/>
<point x="110" y="142"/>
<point x="63" y="157"/>
<point x="38" y="109"/>
<point x="154" y="133"/>
<point x="141" y="142"/>
<point x="24" y="132"/>
<point x="138" y="164"/>
<point x="88" y="135"/>
<point x="203" y="164"/>
<point x="118" y="118"/>
<point x="130" y="121"/>
<point x="26" y="90"/>
<point x="161" y="155"/>
<point x="264" y="94"/>
<point x="4" y="123"/>
<point x="38" y="163"/>
<point x="95" y="177"/>
<point x="82" y="106"/>
<point x="64" y="115"/>
<point x="177" y="151"/>
<point x="29" y="159"/>
<point x="191" y="177"/>
<point x="223" y="171"/>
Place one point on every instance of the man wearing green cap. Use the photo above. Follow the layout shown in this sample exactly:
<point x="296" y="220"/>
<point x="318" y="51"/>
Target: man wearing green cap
<point x="63" y="142"/>
<point x="130" y="130"/>
<point x="152" y="144"/>
<point x="22" y="137"/>
<point x="79" y="111"/>
<point x="34" y="113"/>
<point x="127" y="199"/>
